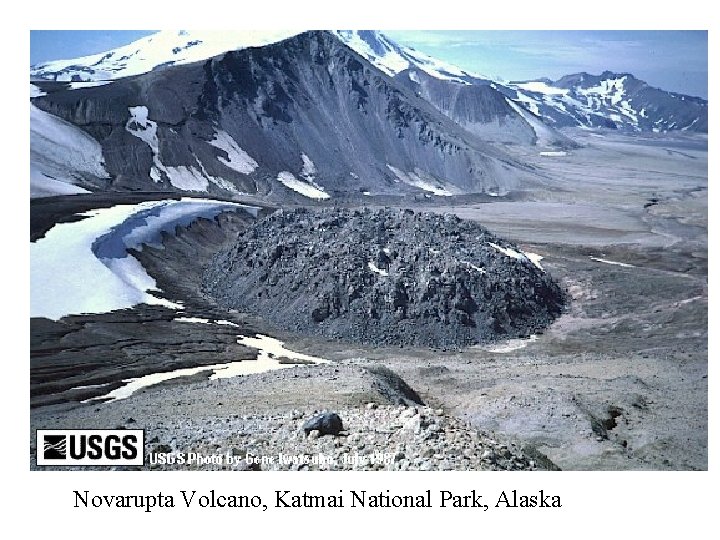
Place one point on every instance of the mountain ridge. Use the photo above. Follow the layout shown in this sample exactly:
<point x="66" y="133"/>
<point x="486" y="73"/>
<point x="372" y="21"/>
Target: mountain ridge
<point x="307" y="115"/>
<point x="648" y="109"/>
<point x="610" y="100"/>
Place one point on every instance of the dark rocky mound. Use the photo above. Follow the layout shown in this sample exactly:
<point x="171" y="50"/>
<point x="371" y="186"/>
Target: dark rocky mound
<point x="325" y="423"/>
<point x="383" y="277"/>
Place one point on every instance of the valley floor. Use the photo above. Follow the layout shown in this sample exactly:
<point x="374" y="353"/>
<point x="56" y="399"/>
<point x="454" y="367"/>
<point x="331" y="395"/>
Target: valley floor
<point x="618" y="382"/>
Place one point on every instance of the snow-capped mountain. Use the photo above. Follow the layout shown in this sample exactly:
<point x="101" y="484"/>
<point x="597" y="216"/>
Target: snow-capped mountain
<point x="258" y="119"/>
<point x="174" y="47"/>
<point x="303" y="118"/>
<point x="167" y="47"/>
<point x="470" y="99"/>
<point x="462" y="95"/>
<point x="611" y="100"/>
<point x="393" y="58"/>
<point x="531" y="110"/>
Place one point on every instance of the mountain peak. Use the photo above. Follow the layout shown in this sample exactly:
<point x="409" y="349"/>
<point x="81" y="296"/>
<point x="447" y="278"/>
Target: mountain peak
<point x="175" y="47"/>
<point x="612" y="100"/>
<point x="393" y="58"/>
<point x="167" y="47"/>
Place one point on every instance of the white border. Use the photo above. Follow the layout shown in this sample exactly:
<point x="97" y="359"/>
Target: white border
<point x="596" y="505"/>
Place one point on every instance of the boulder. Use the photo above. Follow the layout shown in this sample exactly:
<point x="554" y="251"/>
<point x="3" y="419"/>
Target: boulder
<point x="325" y="424"/>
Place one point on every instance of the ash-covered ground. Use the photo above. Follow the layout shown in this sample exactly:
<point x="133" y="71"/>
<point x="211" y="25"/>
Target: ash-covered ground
<point x="619" y="381"/>
<point x="384" y="276"/>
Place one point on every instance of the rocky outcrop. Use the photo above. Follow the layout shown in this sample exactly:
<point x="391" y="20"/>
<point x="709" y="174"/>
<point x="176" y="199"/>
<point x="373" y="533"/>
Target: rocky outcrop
<point x="383" y="277"/>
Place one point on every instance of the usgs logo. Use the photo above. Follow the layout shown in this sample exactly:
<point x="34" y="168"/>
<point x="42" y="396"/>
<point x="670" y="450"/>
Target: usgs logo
<point x="90" y="446"/>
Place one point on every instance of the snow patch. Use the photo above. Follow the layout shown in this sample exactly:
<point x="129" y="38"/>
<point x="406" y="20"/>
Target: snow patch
<point x="68" y="278"/>
<point x="509" y="252"/>
<point x="474" y="267"/>
<point x="144" y="129"/>
<point x="307" y="189"/>
<point x="534" y="258"/>
<point x="308" y="170"/>
<point x="691" y="124"/>
<point x="609" y="99"/>
<point x="271" y="347"/>
<point x="390" y="60"/>
<point x="187" y="178"/>
<point x="200" y="320"/>
<point x="193" y="320"/>
<point x="558" y="153"/>
<point x="624" y="265"/>
<point x="414" y="179"/>
<point x="141" y="127"/>
<point x="76" y="85"/>
<point x="512" y="345"/>
<point x="542" y="87"/>
<point x="529" y="102"/>
<point x="238" y="159"/>
<point x="439" y="69"/>
<point x="374" y="268"/>
<point x="85" y="386"/>
<point x="36" y="92"/>
<point x="270" y="350"/>
<point x="608" y="90"/>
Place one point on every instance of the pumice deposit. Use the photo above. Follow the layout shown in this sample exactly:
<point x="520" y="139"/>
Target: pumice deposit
<point x="384" y="277"/>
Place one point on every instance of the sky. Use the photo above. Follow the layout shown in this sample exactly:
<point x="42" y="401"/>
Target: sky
<point x="671" y="60"/>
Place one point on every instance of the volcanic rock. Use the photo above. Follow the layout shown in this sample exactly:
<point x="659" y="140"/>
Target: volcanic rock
<point x="324" y="424"/>
<point x="384" y="276"/>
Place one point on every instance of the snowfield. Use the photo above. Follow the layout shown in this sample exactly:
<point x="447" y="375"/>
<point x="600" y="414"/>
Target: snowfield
<point x="84" y="267"/>
<point x="60" y="155"/>
<point x="145" y="54"/>
<point x="173" y="47"/>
